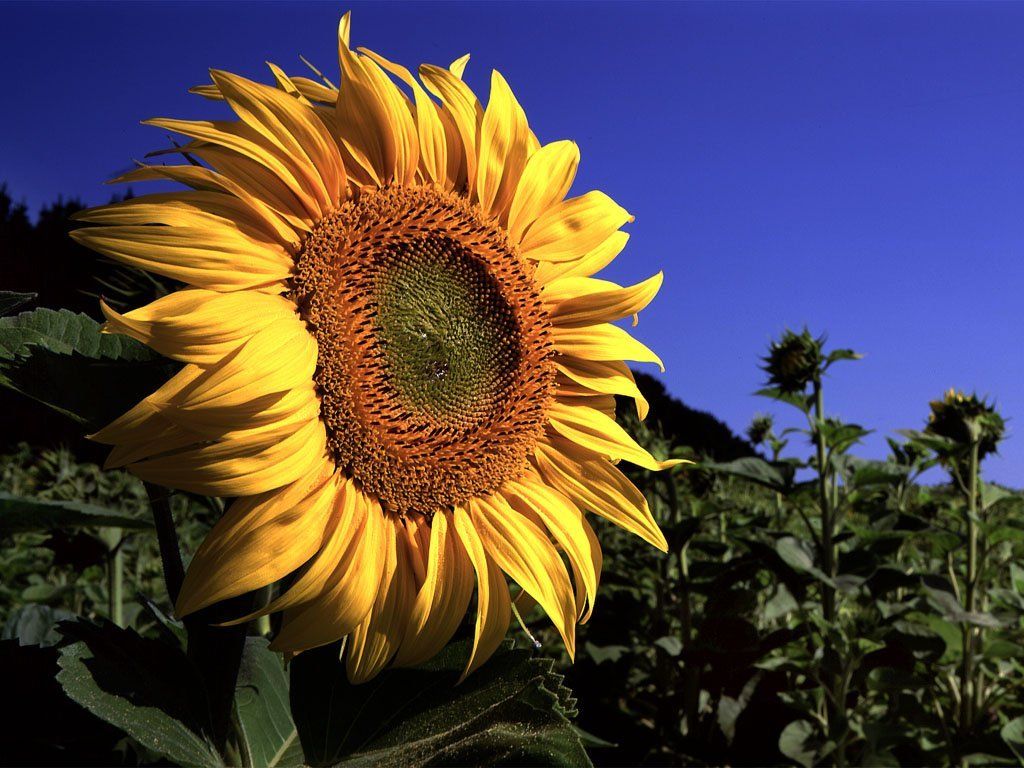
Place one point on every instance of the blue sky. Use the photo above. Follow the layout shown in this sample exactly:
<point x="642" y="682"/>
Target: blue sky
<point x="855" y="168"/>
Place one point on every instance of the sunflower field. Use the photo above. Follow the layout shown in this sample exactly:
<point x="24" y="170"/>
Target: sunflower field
<point x="336" y="455"/>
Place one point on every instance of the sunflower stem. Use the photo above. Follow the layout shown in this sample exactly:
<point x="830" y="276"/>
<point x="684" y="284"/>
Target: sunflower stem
<point x="115" y="579"/>
<point x="167" y="538"/>
<point x="216" y="651"/>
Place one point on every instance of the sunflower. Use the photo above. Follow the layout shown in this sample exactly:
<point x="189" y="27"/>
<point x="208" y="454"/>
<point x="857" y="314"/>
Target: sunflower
<point x="395" y="359"/>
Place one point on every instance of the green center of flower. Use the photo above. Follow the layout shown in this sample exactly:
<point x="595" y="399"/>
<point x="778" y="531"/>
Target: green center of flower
<point x="448" y="337"/>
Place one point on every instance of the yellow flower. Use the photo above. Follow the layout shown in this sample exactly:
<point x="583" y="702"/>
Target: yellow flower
<point x="395" y="359"/>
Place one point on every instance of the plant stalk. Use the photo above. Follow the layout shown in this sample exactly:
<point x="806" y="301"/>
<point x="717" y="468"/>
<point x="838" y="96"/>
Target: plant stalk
<point x="216" y="651"/>
<point x="167" y="538"/>
<point x="968" y="684"/>
<point x="833" y="704"/>
<point x="115" y="579"/>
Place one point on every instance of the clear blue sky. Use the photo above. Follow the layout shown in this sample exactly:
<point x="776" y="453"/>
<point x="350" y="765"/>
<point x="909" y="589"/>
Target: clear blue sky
<point x="858" y="168"/>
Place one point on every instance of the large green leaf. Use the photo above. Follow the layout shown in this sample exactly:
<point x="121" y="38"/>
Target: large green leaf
<point x="268" y="734"/>
<point x="18" y="514"/>
<point x="777" y="476"/>
<point x="512" y="711"/>
<point x="61" y="359"/>
<point x="147" y="689"/>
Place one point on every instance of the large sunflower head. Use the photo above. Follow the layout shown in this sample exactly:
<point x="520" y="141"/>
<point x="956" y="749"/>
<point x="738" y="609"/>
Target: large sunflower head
<point x="396" y="361"/>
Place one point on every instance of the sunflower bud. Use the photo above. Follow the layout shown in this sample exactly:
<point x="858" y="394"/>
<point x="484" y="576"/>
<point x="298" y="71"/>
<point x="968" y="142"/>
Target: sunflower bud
<point x="794" y="361"/>
<point x="966" y="419"/>
<point x="759" y="429"/>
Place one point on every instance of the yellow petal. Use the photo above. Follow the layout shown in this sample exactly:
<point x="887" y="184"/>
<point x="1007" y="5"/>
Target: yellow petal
<point x="337" y="550"/>
<point x="207" y="180"/>
<point x="590" y="263"/>
<point x="285" y="84"/>
<point x="443" y="598"/>
<point x="124" y="426"/>
<point x="375" y="125"/>
<point x="458" y="67"/>
<point x="277" y="359"/>
<point x="598" y="487"/>
<point x="602" y="343"/>
<point x="260" y="182"/>
<point x="465" y="112"/>
<point x="314" y="91"/>
<point x="294" y="129"/>
<point x="350" y="591"/>
<point x="597" y="432"/>
<point x="524" y="552"/>
<point x="237" y="468"/>
<point x="545" y="181"/>
<point x="605" y="306"/>
<point x="574" y="227"/>
<point x="433" y="147"/>
<point x="372" y="644"/>
<point x="204" y="257"/>
<point x="259" y="540"/>
<point x="610" y="377"/>
<point x="493" y="611"/>
<point x="199" y="326"/>
<point x="247" y="142"/>
<point x="503" y="150"/>
<point x="565" y="522"/>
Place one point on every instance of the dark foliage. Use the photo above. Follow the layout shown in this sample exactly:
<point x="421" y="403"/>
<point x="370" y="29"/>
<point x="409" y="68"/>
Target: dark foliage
<point x="699" y="430"/>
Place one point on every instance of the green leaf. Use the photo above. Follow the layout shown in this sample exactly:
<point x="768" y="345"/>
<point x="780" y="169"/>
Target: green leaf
<point x="841" y="436"/>
<point x="11" y="300"/>
<point x="796" y="399"/>
<point x="778" y="477"/>
<point x="730" y="709"/>
<point x="147" y="689"/>
<point x="61" y="359"/>
<point x="841" y="354"/>
<point x="940" y="445"/>
<point x="794" y="554"/>
<point x="513" y="710"/>
<point x="781" y="603"/>
<point x="1013" y="735"/>
<point x="34" y="624"/>
<point x="46" y="593"/>
<point x="993" y="494"/>
<point x="603" y="653"/>
<point x="951" y="610"/>
<point x="866" y="472"/>
<point x="19" y="514"/>
<point x="670" y="644"/>
<point x="269" y="737"/>
<point x="800" y="743"/>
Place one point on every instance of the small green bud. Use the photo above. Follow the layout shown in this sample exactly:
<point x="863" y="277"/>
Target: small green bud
<point x="759" y="429"/>
<point x="794" y="361"/>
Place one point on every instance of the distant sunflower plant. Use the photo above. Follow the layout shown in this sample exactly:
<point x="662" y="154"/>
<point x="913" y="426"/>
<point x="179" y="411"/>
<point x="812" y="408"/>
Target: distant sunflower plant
<point x="396" y="361"/>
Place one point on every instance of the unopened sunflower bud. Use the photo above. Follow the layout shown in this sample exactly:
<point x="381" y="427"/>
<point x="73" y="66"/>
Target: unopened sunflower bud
<point x="794" y="361"/>
<point x="759" y="429"/>
<point x="966" y="419"/>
